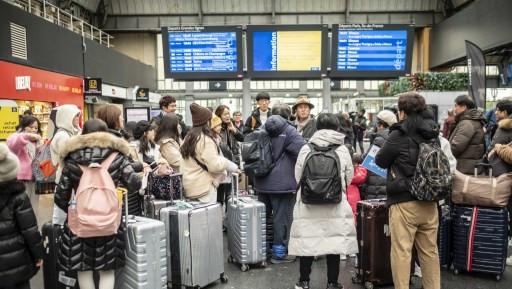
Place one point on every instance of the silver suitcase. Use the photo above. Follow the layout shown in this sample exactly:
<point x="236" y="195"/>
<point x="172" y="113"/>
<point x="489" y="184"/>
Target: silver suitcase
<point x="246" y="227"/>
<point x="194" y="244"/>
<point x="146" y="257"/>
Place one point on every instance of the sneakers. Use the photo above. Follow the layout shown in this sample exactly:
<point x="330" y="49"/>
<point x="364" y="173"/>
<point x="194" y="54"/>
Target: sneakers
<point x="334" y="286"/>
<point x="302" y="285"/>
<point x="509" y="261"/>
<point x="417" y="271"/>
<point x="343" y="257"/>
<point x="285" y="259"/>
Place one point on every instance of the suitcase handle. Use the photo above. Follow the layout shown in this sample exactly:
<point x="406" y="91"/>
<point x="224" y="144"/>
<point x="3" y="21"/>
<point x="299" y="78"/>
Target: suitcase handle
<point x="483" y="165"/>
<point x="234" y="187"/>
<point x="172" y="177"/>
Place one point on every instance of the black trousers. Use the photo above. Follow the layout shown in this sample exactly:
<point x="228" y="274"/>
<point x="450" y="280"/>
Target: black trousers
<point x="223" y="193"/>
<point x="23" y="285"/>
<point x="333" y="268"/>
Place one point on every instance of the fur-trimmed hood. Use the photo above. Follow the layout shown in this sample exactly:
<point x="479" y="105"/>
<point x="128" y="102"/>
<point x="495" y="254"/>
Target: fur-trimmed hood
<point x="505" y="124"/>
<point x="96" y="139"/>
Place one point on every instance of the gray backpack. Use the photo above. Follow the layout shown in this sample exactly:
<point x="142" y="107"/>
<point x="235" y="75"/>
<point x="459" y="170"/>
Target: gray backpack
<point x="432" y="180"/>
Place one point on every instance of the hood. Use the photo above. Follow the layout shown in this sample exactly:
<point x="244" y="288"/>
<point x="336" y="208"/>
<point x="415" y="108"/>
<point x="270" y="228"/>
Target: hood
<point x="97" y="139"/>
<point x="326" y="137"/>
<point x="505" y="124"/>
<point x="275" y="125"/>
<point x="64" y="118"/>
<point x="472" y="114"/>
<point x="424" y="127"/>
<point x="9" y="188"/>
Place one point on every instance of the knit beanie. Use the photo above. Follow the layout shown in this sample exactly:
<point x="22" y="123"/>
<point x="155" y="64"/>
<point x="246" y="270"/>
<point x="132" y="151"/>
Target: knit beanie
<point x="9" y="164"/>
<point x="216" y="121"/>
<point x="200" y="115"/>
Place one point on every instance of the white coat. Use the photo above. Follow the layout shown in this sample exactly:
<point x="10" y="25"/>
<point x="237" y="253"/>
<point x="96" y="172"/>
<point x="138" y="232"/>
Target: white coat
<point x="324" y="229"/>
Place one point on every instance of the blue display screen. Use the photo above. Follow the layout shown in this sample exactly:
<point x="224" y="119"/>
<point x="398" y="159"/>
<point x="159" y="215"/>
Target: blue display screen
<point x="203" y="51"/>
<point x="265" y="51"/>
<point x="371" y="50"/>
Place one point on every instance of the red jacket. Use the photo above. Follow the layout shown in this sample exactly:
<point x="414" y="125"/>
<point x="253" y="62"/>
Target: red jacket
<point x="353" y="195"/>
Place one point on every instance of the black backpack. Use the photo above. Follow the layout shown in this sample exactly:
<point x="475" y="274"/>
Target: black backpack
<point x="320" y="182"/>
<point x="256" y="151"/>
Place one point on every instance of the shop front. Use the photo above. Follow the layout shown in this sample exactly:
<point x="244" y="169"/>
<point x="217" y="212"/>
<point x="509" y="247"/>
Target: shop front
<point x="35" y="91"/>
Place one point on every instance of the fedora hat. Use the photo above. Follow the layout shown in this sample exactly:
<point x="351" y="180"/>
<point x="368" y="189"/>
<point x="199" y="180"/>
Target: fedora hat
<point x="302" y="99"/>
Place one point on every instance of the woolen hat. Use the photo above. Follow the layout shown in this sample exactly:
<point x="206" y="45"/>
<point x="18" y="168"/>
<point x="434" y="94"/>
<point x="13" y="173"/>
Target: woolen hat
<point x="303" y="99"/>
<point x="262" y="95"/>
<point x="387" y="116"/>
<point x="9" y="164"/>
<point x="216" y="121"/>
<point x="200" y="115"/>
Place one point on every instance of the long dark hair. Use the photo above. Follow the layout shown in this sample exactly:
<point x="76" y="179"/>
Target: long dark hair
<point x="27" y="121"/>
<point x="145" y="144"/>
<point x="188" y="148"/>
<point x="168" y="128"/>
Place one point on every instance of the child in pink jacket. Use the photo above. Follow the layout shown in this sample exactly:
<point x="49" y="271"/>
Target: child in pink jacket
<point x="360" y="172"/>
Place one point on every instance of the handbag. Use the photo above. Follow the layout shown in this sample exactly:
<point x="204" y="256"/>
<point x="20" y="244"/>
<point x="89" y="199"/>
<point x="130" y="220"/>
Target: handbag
<point x="164" y="185"/>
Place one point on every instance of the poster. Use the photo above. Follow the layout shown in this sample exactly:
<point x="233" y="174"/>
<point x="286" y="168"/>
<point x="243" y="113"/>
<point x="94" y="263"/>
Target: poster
<point x="9" y="118"/>
<point x="369" y="162"/>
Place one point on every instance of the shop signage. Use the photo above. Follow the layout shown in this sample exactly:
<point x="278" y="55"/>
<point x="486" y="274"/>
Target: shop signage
<point x="142" y="94"/>
<point x="113" y="91"/>
<point x="23" y="82"/>
<point x="92" y="86"/>
<point x="9" y="118"/>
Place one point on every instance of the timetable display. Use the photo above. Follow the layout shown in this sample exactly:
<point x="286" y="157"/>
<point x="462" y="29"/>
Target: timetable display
<point x="291" y="51"/>
<point x="371" y="50"/>
<point x="202" y="52"/>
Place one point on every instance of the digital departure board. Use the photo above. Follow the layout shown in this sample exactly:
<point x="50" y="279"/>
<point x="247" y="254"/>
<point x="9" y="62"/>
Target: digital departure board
<point x="203" y="52"/>
<point x="286" y="51"/>
<point x="371" y="51"/>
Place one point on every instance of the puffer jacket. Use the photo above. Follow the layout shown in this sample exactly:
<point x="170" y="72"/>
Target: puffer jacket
<point x="504" y="133"/>
<point x="468" y="140"/>
<point x="375" y="185"/>
<point x="231" y="140"/>
<point x="399" y="155"/>
<point x="97" y="253"/>
<point x="329" y="228"/>
<point x="286" y="144"/>
<point x="20" y="240"/>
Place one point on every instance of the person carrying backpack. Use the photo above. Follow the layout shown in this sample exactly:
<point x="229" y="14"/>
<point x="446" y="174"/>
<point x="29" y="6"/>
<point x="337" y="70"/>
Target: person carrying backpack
<point x="322" y="218"/>
<point x="96" y="159"/>
<point x="21" y="246"/>
<point x="413" y="222"/>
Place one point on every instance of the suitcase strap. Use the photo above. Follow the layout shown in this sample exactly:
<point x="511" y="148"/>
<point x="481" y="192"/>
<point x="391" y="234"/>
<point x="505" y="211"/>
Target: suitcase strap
<point x="471" y="240"/>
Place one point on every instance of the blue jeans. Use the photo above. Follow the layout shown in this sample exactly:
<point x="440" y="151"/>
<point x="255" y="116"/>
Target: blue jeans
<point x="280" y="208"/>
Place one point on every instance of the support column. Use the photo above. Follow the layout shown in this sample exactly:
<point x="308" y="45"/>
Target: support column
<point x="246" y="98"/>
<point x="326" y="95"/>
<point x="303" y="87"/>
<point x="189" y="99"/>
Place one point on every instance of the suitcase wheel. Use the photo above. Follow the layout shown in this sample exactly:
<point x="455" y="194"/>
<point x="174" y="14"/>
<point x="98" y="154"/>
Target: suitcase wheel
<point x="230" y="259"/>
<point x="244" y="268"/>
<point x="224" y="278"/>
<point x="368" y="285"/>
<point x="263" y="264"/>
<point x="456" y="271"/>
<point x="498" y="277"/>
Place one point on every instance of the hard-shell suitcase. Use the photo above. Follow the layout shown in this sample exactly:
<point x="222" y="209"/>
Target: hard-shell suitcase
<point x="480" y="239"/>
<point x="194" y="244"/>
<point x="246" y="228"/>
<point x="444" y="236"/>
<point x="374" y="242"/>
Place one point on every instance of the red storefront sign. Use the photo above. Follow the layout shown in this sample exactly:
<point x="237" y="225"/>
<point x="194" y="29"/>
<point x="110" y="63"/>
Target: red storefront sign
<point x="18" y="82"/>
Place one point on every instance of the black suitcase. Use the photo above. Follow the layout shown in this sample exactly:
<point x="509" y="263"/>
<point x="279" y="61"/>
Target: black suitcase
<point x="480" y="239"/>
<point x="444" y="236"/>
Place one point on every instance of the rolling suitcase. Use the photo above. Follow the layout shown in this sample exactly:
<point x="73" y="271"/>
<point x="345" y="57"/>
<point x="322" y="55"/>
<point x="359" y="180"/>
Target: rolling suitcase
<point x="146" y="258"/>
<point x="480" y="239"/>
<point x="194" y="244"/>
<point x="374" y="242"/>
<point x="246" y="218"/>
<point x="444" y="235"/>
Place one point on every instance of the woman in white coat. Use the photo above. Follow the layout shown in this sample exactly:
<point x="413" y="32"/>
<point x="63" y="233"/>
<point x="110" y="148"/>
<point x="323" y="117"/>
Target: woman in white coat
<point x="326" y="229"/>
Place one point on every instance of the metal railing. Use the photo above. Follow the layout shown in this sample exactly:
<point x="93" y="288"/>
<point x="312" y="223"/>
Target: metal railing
<point x="64" y="19"/>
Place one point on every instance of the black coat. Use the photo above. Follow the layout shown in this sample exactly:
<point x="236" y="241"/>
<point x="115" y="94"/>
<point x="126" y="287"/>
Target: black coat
<point x="97" y="253"/>
<point x="20" y="240"/>
<point x="253" y="122"/>
<point x="375" y="185"/>
<point x="399" y="155"/>
<point x="230" y="140"/>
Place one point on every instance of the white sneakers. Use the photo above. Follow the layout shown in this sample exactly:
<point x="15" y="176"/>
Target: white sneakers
<point x="509" y="261"/>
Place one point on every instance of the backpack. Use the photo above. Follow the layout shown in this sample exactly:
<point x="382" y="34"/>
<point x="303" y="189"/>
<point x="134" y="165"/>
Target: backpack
<point x="320" y="182"/>
<point x="432" y="179"/>
<point x="43" y="169"/>
<point x="95" y="209"/>
<point x="256" y="151"/>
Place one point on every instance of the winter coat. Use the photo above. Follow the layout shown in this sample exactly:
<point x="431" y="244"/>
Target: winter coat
<point x="182" y="126"/>
<point x="353" y="193"/>
<point x="504" y="133"/>
<point x="20" y="241"/>
<point x="447" y="126"/>
<point x="324" y="229"/>
<point x="18" y="143"/>
<point x="198" y="182"/>
<point x="286" y="144"/>
<point x="467" y="140"/>
<point x="231" y="140"/>
<point x="170" y="151"/>
<point x="309" y="129"/>
<point x="375" y="185"/>
<point x="253" y="122"/>
<point x="359" y="127"/>
<point x="504" y="152"/>
<point x="399" y="155"/>
<point x="97" y="253"/>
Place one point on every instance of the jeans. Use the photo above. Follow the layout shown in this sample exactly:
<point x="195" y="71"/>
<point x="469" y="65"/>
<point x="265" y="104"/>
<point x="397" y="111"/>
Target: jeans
<point x="281" y="207"/>
<point x="333" y="268"/>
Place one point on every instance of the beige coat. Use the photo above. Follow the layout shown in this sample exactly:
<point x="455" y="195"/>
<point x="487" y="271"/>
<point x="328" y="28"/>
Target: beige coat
<point x="324" y="229"/>
<point x="170" y="151"/>
<point x="196" y="181"/>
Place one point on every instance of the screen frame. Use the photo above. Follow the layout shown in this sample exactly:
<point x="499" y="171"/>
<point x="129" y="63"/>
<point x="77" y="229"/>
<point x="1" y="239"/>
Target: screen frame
<point x="295" y="74"/>
<point x="215" y="75"/>
<point x="128" y="108"/>
<point x="373" y="74"/>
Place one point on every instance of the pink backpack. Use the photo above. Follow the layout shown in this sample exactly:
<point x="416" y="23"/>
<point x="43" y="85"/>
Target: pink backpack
<point x="95" y="209"/>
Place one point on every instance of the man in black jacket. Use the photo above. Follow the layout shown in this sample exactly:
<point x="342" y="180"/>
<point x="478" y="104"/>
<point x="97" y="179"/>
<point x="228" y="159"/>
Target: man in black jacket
<point x="360" y="126"/>
<point x="411" y="222"/>
<point x="259" y="115"/>
<point x="168" y="105"/>
<point x="21" y="246"/>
